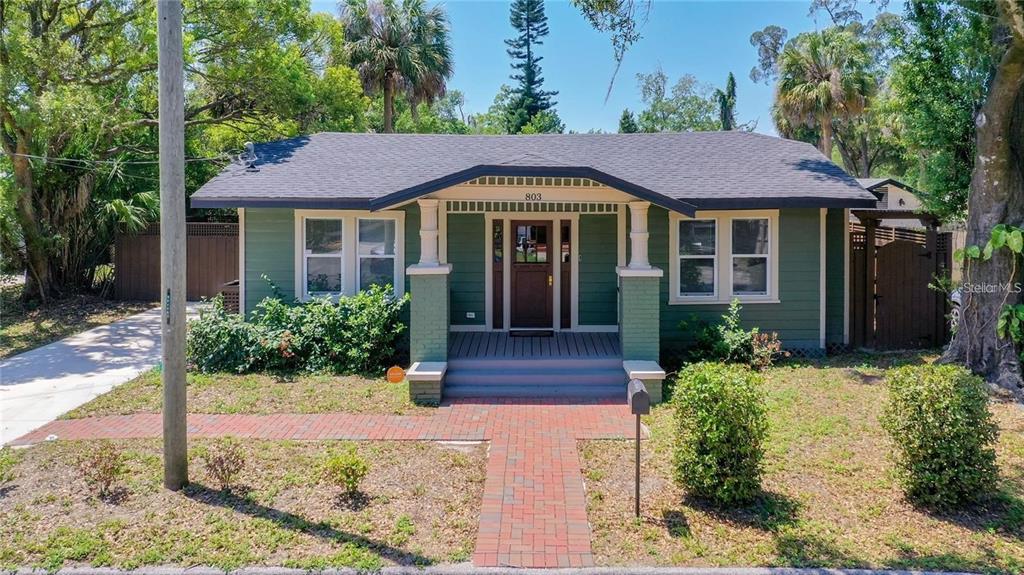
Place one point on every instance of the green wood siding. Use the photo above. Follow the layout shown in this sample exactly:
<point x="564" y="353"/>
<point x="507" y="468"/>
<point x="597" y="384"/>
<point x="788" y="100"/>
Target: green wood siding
<point x="796" y="318"/>
<point x="270" y="251"/>
<point x="466" y="243"/>
<point x="598" y="284"/>
<point x="835" y="298"/>
<point x="412" y="237"/>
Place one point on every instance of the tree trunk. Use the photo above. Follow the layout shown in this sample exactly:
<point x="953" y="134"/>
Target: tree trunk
<point x="38" y="284"/>
<point x="997" y="196"/>
<point x="825" y="144"/>
<point x="389" y="104"/>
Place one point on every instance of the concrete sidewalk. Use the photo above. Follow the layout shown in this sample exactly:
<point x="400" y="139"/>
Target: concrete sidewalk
<point x="39" y="385"/>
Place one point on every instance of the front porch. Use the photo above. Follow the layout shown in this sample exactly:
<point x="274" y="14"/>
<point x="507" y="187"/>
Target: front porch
<point x="546" y="302"/>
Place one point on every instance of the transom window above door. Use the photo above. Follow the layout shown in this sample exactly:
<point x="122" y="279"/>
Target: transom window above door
<point x="341" y="252"/>
<point x="718" y="256"/>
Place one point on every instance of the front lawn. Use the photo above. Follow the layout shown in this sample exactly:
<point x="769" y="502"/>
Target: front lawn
<point x="259" y="394"/>
<point x="420" y="506"/>
<point x="23" y="327"/>
<point x="830" y="499"/>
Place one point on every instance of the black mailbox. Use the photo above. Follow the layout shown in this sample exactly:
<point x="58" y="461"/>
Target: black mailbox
<point x="639" y="399"/>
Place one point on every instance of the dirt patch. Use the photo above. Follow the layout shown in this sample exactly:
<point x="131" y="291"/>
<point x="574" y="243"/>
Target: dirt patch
<point x="419" y="506"/>
<point x="259" y="394"/>
<point x="24" y="327"/>
<point x="829" y="498"/>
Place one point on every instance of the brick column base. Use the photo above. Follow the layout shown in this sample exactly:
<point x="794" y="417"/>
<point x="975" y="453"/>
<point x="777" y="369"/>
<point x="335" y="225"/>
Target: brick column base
<point x="428" y="330"/>
<point x="639" y="313"/>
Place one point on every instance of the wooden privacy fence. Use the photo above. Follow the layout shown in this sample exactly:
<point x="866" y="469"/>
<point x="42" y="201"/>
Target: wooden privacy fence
<point x="212" y="255"/>
<point x="891" y="305"/>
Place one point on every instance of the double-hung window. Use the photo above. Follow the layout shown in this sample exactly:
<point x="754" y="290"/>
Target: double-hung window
<point x="323" y="256"/>
<point x="376" y="252"/>
<point x="698" y="266"/>
<point x="751" y="244"/>
<point x="723" y="255"/>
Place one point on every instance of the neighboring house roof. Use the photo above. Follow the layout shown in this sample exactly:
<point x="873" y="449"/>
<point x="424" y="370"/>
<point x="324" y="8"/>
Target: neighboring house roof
<point x="897" y="217"/>
<point x="680" y="171"/>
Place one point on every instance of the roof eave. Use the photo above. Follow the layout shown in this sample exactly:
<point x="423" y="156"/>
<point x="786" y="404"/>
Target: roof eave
<point x="294" y="203"/>
<point x="776" y="203"/>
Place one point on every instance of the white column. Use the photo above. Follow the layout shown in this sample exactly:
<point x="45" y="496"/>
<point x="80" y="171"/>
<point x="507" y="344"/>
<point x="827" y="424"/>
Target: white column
<point x="638" y="235"/>
<point x="428" y="232"/>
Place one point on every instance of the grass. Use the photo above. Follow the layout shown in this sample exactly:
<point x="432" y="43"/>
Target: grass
<point x="280" y="513"/>
<point x="24" y="326"/>
<point x="258" y="394"/>
<point x="829" y="497"/>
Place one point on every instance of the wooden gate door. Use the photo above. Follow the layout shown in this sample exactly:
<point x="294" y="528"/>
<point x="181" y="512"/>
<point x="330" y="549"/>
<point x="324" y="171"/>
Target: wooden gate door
<point x="908" y="314"/>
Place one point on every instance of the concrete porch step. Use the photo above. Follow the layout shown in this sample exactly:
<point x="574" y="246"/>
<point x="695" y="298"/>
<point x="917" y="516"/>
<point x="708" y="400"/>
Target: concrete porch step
<point x="527" y="365"/>
<point x="536" y="377"/>
<point x="613" y="392"/>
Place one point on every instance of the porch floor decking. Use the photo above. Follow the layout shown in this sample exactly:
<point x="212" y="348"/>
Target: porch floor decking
<point x="563" y="344"/>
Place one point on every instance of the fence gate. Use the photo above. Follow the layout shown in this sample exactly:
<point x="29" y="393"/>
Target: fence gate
<point x="891" y="305"/>
<point x="212" y="256"/>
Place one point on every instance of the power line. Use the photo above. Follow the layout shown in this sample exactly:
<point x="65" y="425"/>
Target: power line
<point x="58" y="160"/>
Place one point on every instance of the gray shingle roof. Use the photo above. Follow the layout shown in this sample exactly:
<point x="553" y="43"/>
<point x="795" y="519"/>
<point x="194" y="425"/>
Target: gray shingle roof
<point x="706" y="170"/>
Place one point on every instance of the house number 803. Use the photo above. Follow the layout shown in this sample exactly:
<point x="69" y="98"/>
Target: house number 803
<point x="534" y="196"/>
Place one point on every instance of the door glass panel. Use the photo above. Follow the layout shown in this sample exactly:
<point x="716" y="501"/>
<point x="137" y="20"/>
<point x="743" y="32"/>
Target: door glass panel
<point x="566" y="238"/>
<point x="497" y="237"/>
<point x="531" y="244"/>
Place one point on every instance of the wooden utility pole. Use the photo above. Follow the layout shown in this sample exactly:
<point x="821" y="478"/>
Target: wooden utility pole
<point x="172" y="239"/>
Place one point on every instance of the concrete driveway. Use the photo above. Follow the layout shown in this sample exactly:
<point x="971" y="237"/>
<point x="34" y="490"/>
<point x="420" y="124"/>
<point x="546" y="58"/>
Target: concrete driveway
<point x="39" y="385"/>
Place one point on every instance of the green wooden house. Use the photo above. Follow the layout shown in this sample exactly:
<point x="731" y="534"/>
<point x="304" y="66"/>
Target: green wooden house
<point x="551" y="264"/>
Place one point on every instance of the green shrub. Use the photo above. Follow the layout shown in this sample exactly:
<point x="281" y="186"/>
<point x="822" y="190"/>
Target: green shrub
<point x="346" y="469"/>
<point x="720" y="428"/>
<point x="7" y="461"/>
<point x="728" y="342"/>
<point x="221" y="341"/>
<point x="358" y="334"/>
<point x="937" y="417"/>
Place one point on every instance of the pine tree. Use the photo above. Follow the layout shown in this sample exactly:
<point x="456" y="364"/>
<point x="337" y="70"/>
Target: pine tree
<point x="627" y="123"/>
<point x="528" y="18"/>
<point x="727" y="104"/>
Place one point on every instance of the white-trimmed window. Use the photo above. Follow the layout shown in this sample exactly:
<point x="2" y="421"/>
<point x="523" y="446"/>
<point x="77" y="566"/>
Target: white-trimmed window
<point x="323" y="259"/>
<point x="698" y="258"/>
<point x="340" y="252"/>
<point x="751" y="246"/>
<point x="722" y="255"/>
<point x="377" y="262"/>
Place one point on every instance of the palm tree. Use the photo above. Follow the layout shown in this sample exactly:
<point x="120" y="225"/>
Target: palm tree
<point x="823" y="75"/>
<point x="398" y="47"/>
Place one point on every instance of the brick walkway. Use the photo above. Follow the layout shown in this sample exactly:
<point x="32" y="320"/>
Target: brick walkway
<point x="534" y="508"/>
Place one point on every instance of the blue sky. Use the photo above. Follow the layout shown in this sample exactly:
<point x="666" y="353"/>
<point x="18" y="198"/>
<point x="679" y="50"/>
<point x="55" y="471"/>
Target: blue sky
<point x="705" y="38"/>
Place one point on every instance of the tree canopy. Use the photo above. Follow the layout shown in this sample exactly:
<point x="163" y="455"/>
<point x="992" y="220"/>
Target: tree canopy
<point x="78" y="82"/>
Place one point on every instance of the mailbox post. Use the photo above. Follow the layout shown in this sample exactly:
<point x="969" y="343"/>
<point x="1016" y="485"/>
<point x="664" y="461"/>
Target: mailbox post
<point x="639" y="404"/>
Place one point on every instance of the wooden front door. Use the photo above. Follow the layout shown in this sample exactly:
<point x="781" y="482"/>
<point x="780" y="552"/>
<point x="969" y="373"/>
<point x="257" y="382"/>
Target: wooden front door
<point x="532" y="281"/>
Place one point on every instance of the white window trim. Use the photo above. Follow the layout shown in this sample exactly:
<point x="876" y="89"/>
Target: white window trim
<point x="713" y="296"/>
<point x="723" y="250"/>
<point x="349" y="242"/>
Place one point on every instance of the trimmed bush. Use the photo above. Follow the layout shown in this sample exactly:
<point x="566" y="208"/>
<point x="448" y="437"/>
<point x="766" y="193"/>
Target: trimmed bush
<point x="358" y="334"/>
<point x="720" y="428"/>
<point x="937" y="417"/>
<point x="347" y="470"/>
